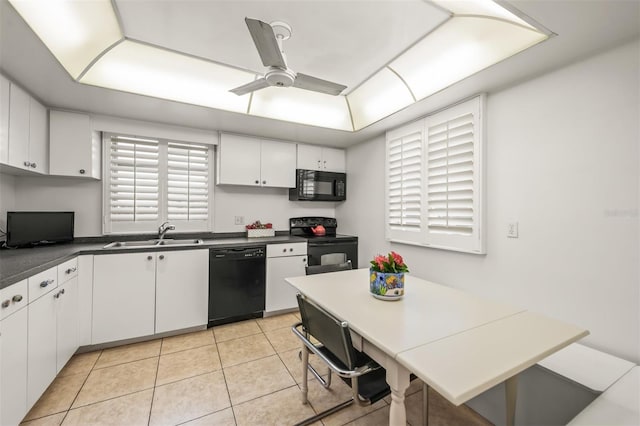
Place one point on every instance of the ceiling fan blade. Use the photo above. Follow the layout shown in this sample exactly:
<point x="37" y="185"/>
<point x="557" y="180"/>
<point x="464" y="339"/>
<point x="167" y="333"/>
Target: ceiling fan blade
<point x="258" y="84"/>
<point x="308" y="82"/>
<point x="266" y="43"/>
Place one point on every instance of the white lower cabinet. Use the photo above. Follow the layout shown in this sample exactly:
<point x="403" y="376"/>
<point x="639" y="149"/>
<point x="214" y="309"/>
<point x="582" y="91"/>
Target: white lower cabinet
<point x="13" y="367"/>
<point x="182" y="287"/>
<point x="41" y="357"/>
<point x="66" y="322"/>
<point x="123" y="296"/>
<point x="140" y="294"/>
<point x="283" y="260"/>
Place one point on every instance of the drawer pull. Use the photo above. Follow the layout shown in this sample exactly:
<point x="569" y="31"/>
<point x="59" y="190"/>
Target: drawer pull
<point x="43" y="284"/>
<point x="71" y="270"/>
<point x="149" y="257"/>
<point x="57" y="295"/>
<point x="161" y="256"/>
<point x="17" y="298"/>
<point x="6" y="303"/>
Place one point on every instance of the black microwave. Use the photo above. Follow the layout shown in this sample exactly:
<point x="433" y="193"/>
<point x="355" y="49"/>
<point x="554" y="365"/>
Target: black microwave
<point x="317" y="185"/>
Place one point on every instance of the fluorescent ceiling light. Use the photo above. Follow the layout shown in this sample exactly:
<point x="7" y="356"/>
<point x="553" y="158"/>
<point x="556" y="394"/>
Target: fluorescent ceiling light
<point x="380" y="96"/>
<point x="473" y="44"/>
<point x="148" y="70"/>
<point x="75" y="32"/>
<point x="87" y="40"/>
<point x="301" y="106"/>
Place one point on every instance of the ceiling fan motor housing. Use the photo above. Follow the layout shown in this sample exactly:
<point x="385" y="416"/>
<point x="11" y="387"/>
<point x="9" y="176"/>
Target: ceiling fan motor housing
<point x="279" y="77"/>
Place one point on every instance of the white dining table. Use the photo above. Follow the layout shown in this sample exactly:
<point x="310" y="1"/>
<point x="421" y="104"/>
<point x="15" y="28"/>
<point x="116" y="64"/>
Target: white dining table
<point x="456" y="342"/>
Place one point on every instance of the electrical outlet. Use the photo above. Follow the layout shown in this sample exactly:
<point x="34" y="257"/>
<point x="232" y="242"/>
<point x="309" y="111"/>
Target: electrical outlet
<point x="512" y="230"/>
<point x="239" y="220"/>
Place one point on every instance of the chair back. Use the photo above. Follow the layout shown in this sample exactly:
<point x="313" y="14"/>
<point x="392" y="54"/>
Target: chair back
<point x="328" y="330"/>
<point x="321" y="269"/>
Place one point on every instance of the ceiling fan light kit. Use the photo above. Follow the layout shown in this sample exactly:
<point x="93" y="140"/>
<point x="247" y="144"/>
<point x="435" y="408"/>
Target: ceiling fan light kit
<point x="463" y="38"/>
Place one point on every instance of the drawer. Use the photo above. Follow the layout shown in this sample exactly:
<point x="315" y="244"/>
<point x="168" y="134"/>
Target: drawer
<point x="42" y="283"/>
<point x="67" y="270"/>
<point x="292" y="249"/>
<point x="13" y="298"/>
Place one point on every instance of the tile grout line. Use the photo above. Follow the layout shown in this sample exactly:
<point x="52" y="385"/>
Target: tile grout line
<point x="155" y="380"/>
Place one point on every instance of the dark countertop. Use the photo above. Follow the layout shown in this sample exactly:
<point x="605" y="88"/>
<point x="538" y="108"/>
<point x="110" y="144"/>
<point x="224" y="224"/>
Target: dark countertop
<point x="18" y="264"/>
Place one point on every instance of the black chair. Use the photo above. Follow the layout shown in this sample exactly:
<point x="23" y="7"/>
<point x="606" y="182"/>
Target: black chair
<point x="333" y="267"/>
<point x="366" y="378"/>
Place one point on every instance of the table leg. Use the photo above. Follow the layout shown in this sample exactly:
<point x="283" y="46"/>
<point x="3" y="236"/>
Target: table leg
<point x="511" y="393"/>
<point x="398" y="380"/>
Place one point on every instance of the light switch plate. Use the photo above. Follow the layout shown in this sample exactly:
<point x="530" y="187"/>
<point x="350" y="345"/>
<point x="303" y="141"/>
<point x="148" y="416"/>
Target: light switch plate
<point x="512" y="230"/>
<point x="239" y="220"/>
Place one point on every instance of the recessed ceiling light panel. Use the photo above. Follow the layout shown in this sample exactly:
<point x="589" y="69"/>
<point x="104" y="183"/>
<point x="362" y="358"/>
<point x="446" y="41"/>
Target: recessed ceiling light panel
<point x="148" y="70"/>
<point x="75" y="32"/>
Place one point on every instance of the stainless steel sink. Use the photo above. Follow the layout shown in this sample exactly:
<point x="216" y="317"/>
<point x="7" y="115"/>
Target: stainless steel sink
<point x="153" y="243"/>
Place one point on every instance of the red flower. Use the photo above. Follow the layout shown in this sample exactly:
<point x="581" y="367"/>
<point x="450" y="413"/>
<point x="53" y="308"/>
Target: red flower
<point x="397" y="259"/>
<point x="379" y="259"/>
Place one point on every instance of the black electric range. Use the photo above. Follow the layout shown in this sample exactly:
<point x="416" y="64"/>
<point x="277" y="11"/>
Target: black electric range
<point x="330" y="242"/>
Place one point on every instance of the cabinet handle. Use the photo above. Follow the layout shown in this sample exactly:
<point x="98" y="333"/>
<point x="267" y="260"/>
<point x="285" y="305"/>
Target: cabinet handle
<point x="161" y="256"/>
<point x="57" y="295"/>
<point x="43" y="284"/>
<point x="264" y="182"/>
<point x="6" y="303"/>
<point x="27" y="164"/>
<point x="33" y="165"/>
<point x="284" y="250"/>
<point x="319" y="164"/>
<point x="149" y="257"/>
<point x="17" y="298"/>
<point x="325" y="164"/>
<point x="71" y="270"/>
<point x="290" y="249"/>
<point x="257" y="182"/>
<point x="82" y="171"/>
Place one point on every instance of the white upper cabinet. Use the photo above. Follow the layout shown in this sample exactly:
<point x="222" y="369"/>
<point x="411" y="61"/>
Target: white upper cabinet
<point x="74" y="147"/>
<point x="245" y="160"/>
<point x="311" y="157"/>
<point x="24" y="130"/>
<point x="38" y="137"/>
<point x="5" y="87"/>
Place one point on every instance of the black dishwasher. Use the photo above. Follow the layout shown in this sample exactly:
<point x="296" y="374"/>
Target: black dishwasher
<point x="236" y="284"/>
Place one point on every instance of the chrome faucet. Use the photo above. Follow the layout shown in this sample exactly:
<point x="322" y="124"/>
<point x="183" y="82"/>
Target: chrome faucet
<point x="164" y="228"/>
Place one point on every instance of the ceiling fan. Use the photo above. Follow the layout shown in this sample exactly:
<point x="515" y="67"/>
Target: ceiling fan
<point x="268" y="39"/>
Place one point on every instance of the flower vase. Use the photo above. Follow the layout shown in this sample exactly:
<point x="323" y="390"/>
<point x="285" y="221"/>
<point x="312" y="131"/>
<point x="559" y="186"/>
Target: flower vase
<point x="386" y="285"/>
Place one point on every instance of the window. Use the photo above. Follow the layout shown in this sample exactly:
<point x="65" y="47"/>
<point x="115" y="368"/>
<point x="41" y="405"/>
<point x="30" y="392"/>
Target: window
<point x="434" y="180"/>
<point x="149" y="181"/>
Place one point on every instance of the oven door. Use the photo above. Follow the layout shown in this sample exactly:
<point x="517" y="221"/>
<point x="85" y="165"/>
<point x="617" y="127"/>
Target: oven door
<point x="316" y="249"/>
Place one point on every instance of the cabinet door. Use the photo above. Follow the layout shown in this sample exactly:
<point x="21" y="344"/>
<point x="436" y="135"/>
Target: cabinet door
<point x="38" y="137"/>
<point x="67" y="322"/>
<point x="13" y="368"/>
<point x="123" y="296"/>
<point x="280" y="294"/>
<point x="71" y="144"/>
<point x="333" y="160"/>
<point x="41" y="369"/>
<point x="278" y="164"/>
<point x="5" y="87"/>
<point x="85" y="297"/>
<point x="19" y="106"/>
<point x="239" y="160"/>
<point x="309" y="157"/>
<point x="182" y="289"/>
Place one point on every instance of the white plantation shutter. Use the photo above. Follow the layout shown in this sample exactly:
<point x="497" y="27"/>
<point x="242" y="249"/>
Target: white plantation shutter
<point x="449" y="160"/>
<point x="188" y="182"/>
<point x="404" y="183"/>
<point x="148" y="182"/>
<point x="450" y="176"/>
<point x="134" y="180"/>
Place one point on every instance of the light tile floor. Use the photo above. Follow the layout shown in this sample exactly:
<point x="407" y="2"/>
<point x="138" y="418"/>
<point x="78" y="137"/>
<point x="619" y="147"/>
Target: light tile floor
<point x="247" y="373"/>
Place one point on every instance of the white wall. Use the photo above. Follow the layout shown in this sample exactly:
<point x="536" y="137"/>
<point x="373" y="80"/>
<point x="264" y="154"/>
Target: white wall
<point x="563" y="161"/>
<point x="85" y="198"/>
<point x="7" y="199"/>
